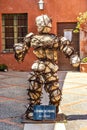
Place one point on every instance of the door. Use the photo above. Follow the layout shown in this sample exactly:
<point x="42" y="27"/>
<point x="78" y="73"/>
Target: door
<point x="62" y="28"/>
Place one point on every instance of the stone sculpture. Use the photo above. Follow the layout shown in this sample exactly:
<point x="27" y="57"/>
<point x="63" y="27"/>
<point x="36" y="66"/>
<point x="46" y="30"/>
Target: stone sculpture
<point x="44" y="71"/>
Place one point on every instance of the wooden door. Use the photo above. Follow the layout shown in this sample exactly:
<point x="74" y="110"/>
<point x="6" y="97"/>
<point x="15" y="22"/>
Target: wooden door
<point x="63" y="62"/>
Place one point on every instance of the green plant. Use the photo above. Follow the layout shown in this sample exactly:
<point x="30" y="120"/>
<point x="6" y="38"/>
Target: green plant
<point x="3" y="67"/>
<point x="84" y="60"/>
<point x="81" y="22"/>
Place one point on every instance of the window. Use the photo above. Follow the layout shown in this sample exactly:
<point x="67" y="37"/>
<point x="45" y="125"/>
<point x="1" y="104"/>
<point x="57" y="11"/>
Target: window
<point x="68" y="34"/>
<point x="14" y="28"/>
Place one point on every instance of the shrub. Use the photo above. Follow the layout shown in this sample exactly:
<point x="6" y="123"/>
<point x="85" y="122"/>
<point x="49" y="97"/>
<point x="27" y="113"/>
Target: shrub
<point x="81" y="22"/>
<point x="3" y="67"/>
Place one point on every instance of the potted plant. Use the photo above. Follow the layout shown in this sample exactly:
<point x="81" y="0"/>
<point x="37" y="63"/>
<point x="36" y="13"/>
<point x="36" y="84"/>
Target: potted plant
<point x="83" y="65"/>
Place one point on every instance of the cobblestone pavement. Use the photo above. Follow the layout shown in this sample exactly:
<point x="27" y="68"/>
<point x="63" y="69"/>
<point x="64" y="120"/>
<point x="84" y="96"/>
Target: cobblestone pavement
<point x="13" y="98"/>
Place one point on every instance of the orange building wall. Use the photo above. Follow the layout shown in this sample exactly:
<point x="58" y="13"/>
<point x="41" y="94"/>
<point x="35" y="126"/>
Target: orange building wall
<point x="58" y="10"/>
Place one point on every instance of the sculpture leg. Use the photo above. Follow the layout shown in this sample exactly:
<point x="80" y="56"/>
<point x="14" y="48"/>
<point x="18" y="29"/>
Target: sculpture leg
<point x="54" y="94"/>
<point x="34" y="93"/>
<point x="55" y="97"/>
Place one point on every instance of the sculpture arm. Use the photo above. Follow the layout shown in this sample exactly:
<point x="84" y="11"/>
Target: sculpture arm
<point x="21" y="49"/>
<point x="69" y="51"/>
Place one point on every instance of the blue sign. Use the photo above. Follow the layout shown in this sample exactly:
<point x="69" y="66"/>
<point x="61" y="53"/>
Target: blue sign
<point x="44" y="112"/>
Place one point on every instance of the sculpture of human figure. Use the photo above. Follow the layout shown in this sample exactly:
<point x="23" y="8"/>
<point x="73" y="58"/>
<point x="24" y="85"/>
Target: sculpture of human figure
<point x="44" y="71"/>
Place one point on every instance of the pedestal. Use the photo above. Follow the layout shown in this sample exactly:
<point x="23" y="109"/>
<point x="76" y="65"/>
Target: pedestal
<point x="46" y="124"/>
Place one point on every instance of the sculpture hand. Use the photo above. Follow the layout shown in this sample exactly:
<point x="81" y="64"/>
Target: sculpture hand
<point x="20" y="50"/>
<point x="75" y="60"/>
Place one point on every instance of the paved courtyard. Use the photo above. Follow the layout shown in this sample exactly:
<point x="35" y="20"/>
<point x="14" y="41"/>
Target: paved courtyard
<point x="13" y="98"/>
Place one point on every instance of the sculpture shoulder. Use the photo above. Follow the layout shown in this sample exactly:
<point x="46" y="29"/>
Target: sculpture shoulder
<point x="44" y="40"/>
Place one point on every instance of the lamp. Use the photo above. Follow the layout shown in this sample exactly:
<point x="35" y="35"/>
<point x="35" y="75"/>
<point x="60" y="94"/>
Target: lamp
<point x="41" y="4"/>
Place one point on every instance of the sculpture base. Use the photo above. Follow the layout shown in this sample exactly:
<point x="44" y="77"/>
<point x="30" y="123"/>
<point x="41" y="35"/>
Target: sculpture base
<point x="61" y="118"/>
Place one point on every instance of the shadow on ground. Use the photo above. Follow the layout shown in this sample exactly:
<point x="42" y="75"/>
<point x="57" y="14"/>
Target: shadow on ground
<point x="76" y="117"/>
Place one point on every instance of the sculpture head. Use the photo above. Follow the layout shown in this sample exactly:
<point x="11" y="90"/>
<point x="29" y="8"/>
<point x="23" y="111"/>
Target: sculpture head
<point x="43" y="23"/>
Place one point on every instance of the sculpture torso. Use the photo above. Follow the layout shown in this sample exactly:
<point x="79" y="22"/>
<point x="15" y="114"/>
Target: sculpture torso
<point x="45" y="46"/>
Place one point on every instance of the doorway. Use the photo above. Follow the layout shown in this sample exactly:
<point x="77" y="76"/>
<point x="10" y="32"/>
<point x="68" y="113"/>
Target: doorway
<point x="62" y="28"/>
